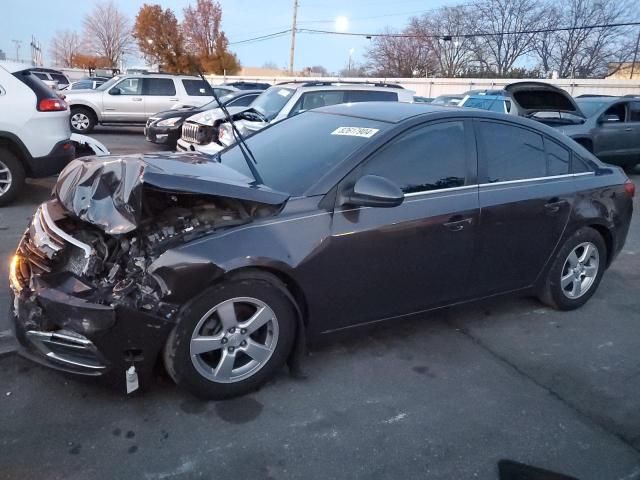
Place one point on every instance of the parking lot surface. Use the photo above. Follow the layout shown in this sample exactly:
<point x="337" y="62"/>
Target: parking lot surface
<point x="438" y="396"/>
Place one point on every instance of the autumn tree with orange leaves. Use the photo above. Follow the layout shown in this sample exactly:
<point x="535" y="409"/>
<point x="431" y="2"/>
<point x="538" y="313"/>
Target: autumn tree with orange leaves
<point x="204" y="37"/>
<point x="160" y="39"/>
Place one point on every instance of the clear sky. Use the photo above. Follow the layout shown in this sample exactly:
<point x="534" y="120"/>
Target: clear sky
<point x="242" y="19"/>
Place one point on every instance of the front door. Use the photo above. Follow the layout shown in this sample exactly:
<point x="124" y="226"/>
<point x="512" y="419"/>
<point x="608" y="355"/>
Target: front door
<point x="418" y="255"/>
<point x="525" y="201"/>
<point x="613" y="140"/>
<point x="124" y="101"/>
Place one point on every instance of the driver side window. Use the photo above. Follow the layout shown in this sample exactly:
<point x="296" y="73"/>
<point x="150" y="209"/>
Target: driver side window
<point x="618" y="110"/>
<point x="426" y="158"/>
<point x="129" y="86"/>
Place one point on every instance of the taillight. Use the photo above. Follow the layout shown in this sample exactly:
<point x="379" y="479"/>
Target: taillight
<point x="52" y="105"/>
<point x="630" y="188"/>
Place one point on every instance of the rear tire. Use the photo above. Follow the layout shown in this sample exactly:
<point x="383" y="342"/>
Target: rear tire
<point x="82" y="120"/>
<point x="576" y="271"/>
<point x="12" y="176"/>
<point x="215" y="328"/>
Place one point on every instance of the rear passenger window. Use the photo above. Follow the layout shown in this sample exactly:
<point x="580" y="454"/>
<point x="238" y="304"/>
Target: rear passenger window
<point x="509" y="153"/>
<point x="558" y="158"/>
<point x="311" y="100"/>
<point x="355" y="96"/>
<point x="163" y="87"/>
<point x="578" y="165"/>
<point x="634" y="112"/>
<point x="196" y="88"/>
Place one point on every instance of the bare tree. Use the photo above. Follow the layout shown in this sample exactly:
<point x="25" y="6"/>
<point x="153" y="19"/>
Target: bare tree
<point x="492" y="18"/>
<point x="64" y="48"/>
<point x="585" y="52"/>
<point x="396" y="56"/>
<point x="108" y="32"/>
<point x="443" y="31"/>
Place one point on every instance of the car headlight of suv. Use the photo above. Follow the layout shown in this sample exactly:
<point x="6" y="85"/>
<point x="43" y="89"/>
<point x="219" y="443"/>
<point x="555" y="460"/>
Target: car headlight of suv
<point x="169" y="122"/>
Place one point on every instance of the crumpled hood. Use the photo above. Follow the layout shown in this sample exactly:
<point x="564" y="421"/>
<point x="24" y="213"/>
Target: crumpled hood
<point x="108" y="191"/>
<point x="209" y="117"/>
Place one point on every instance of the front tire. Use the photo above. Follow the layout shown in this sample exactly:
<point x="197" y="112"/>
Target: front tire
<point x="12" y="176"/>
<point x="231" y="339"/>
<point x="82" y="120"/>
<point x="577" y="271"/>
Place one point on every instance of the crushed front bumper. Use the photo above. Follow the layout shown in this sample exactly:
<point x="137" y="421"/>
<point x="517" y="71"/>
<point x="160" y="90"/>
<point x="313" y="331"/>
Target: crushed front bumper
<point x="58" y="325"/>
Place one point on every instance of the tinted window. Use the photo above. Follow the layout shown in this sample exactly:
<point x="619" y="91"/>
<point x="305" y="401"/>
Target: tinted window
<point x="61" y="79"/>
<point x="634" y="112"/>
<point x="509" y="153"/>
<point x="617" y="110"/>
<point x="159" y="86"/>
<point x="578" y="165"/>
<point x="196" y="88"/>
<point x="311" y="100"/>
<point x="293" y="154"/>
<point x="41" y="76"/>
<point x="130" y="86"/>
<point x="82" y="84"/>
<point x="426" y="158"/>
<point x="558" y="158"/>
<point x="590" y="108"/>
<point x="481" y="103"/>
<point x="497" y="106"/>
<point x="371" y="96"/>
<point x="242" y="101"/>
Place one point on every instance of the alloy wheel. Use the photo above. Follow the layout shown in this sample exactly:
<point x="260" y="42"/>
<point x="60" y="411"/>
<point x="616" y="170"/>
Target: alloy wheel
<point x="234" y="340"/>
<point x="5" y="178"/>
<point x="580" y="270"/>
<point x="80" y="121"/>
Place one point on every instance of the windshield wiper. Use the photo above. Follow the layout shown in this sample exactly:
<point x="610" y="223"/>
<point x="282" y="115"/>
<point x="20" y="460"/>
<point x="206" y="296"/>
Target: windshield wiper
<point x="244" y="148"/>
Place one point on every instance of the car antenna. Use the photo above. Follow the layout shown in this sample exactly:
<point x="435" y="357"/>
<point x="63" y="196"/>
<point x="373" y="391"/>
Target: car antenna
<point x="244" y="148"/>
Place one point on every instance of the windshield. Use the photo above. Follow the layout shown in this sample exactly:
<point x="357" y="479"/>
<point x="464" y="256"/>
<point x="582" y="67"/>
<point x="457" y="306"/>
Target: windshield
<point x="590" y="108"/>
<point x="293" y="154"/>
<point x="271" y="101"/>
<point x="108" y="84"/>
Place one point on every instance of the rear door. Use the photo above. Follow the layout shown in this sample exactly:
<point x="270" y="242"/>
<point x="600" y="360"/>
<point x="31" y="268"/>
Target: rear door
<point x="159" y="95"/>
<point x="634" y="123"/>
<point x="124" y="102"/>
<point x="525" y="194"/>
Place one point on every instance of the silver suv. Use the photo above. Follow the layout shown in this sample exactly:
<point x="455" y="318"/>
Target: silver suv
<point x="131" y="99"/>
<point x="208" y="132"/>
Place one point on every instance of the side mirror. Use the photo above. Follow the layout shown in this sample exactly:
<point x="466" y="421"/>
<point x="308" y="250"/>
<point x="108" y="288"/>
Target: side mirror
<point x="115" y="91"/>
<point x="374" y="191"/>
<point x="610" y="119"/>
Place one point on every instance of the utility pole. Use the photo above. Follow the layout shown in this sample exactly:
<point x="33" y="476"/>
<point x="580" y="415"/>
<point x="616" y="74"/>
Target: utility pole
<point x="293" y="36"/>
<point x="17" y="43"/>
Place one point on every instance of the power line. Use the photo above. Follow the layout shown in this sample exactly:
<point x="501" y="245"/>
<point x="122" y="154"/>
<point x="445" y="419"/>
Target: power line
<point x="444" y="37"/>
<point x="472" y="35"/>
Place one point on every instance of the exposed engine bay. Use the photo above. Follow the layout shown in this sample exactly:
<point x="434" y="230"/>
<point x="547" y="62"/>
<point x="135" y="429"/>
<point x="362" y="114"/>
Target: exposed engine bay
<point x="108" y="225"/>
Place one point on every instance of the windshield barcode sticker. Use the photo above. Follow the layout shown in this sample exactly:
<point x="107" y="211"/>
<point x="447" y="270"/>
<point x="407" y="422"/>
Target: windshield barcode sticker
<point x="355" y="131"/>
<point x="284" y="92"/>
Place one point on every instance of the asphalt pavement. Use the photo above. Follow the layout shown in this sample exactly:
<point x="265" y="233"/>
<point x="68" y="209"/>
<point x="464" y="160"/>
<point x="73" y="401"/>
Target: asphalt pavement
<point x="438" y="396"/>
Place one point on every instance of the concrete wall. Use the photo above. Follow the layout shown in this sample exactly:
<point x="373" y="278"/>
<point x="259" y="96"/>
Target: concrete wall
<point x="432" y="87"/>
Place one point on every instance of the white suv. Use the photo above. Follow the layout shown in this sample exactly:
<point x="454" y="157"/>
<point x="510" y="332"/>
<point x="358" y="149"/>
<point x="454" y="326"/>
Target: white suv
<point x="131" y="99"/>
<point x="34" y="130"/>
<point x="208" y="132"/>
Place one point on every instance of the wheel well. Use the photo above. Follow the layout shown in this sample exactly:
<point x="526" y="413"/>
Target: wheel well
<point x="291" y="285"/>
<point x="605" y="233"/>
<point x="16" y="150"/>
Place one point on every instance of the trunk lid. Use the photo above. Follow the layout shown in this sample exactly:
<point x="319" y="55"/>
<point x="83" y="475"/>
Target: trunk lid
<point x="533" y="97"/>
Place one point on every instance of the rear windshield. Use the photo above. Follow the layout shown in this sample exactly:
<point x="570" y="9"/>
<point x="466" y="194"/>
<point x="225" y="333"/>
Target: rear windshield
<point x="294" y="154"/>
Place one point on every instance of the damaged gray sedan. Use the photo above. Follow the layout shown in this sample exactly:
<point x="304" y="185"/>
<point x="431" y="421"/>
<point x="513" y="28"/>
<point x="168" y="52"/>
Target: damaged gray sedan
<point x="202" y="263"/>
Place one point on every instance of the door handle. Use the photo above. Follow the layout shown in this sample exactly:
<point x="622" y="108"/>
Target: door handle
<point x="628" y="129"/>
<point x="554" y="205"/>
<point x="136" y="99"/>
<point x="457" y="223"/>
<point x="173" y="99"/>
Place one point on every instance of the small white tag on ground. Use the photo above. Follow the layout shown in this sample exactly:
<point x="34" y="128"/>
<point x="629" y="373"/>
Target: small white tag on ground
<point x="132" y="379"/>
<point x="355" y="131"/>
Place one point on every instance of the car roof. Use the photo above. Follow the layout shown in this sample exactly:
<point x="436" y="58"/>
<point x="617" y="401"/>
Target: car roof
<point x="390" y="112"/>
<point x="339" y="85"/>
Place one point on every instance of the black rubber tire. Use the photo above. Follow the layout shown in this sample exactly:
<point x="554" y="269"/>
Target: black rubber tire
<point x="177" y="354"/>
<point x="17" y="175"/>
<point x="90" y="115"/>
<point x="551" y="293"/>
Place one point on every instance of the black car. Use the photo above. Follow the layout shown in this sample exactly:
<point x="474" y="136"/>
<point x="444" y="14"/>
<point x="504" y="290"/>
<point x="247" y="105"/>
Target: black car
<point x="243" y="85"/>
<point x="221" y="267"/>
<point x="165" y="127"/>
